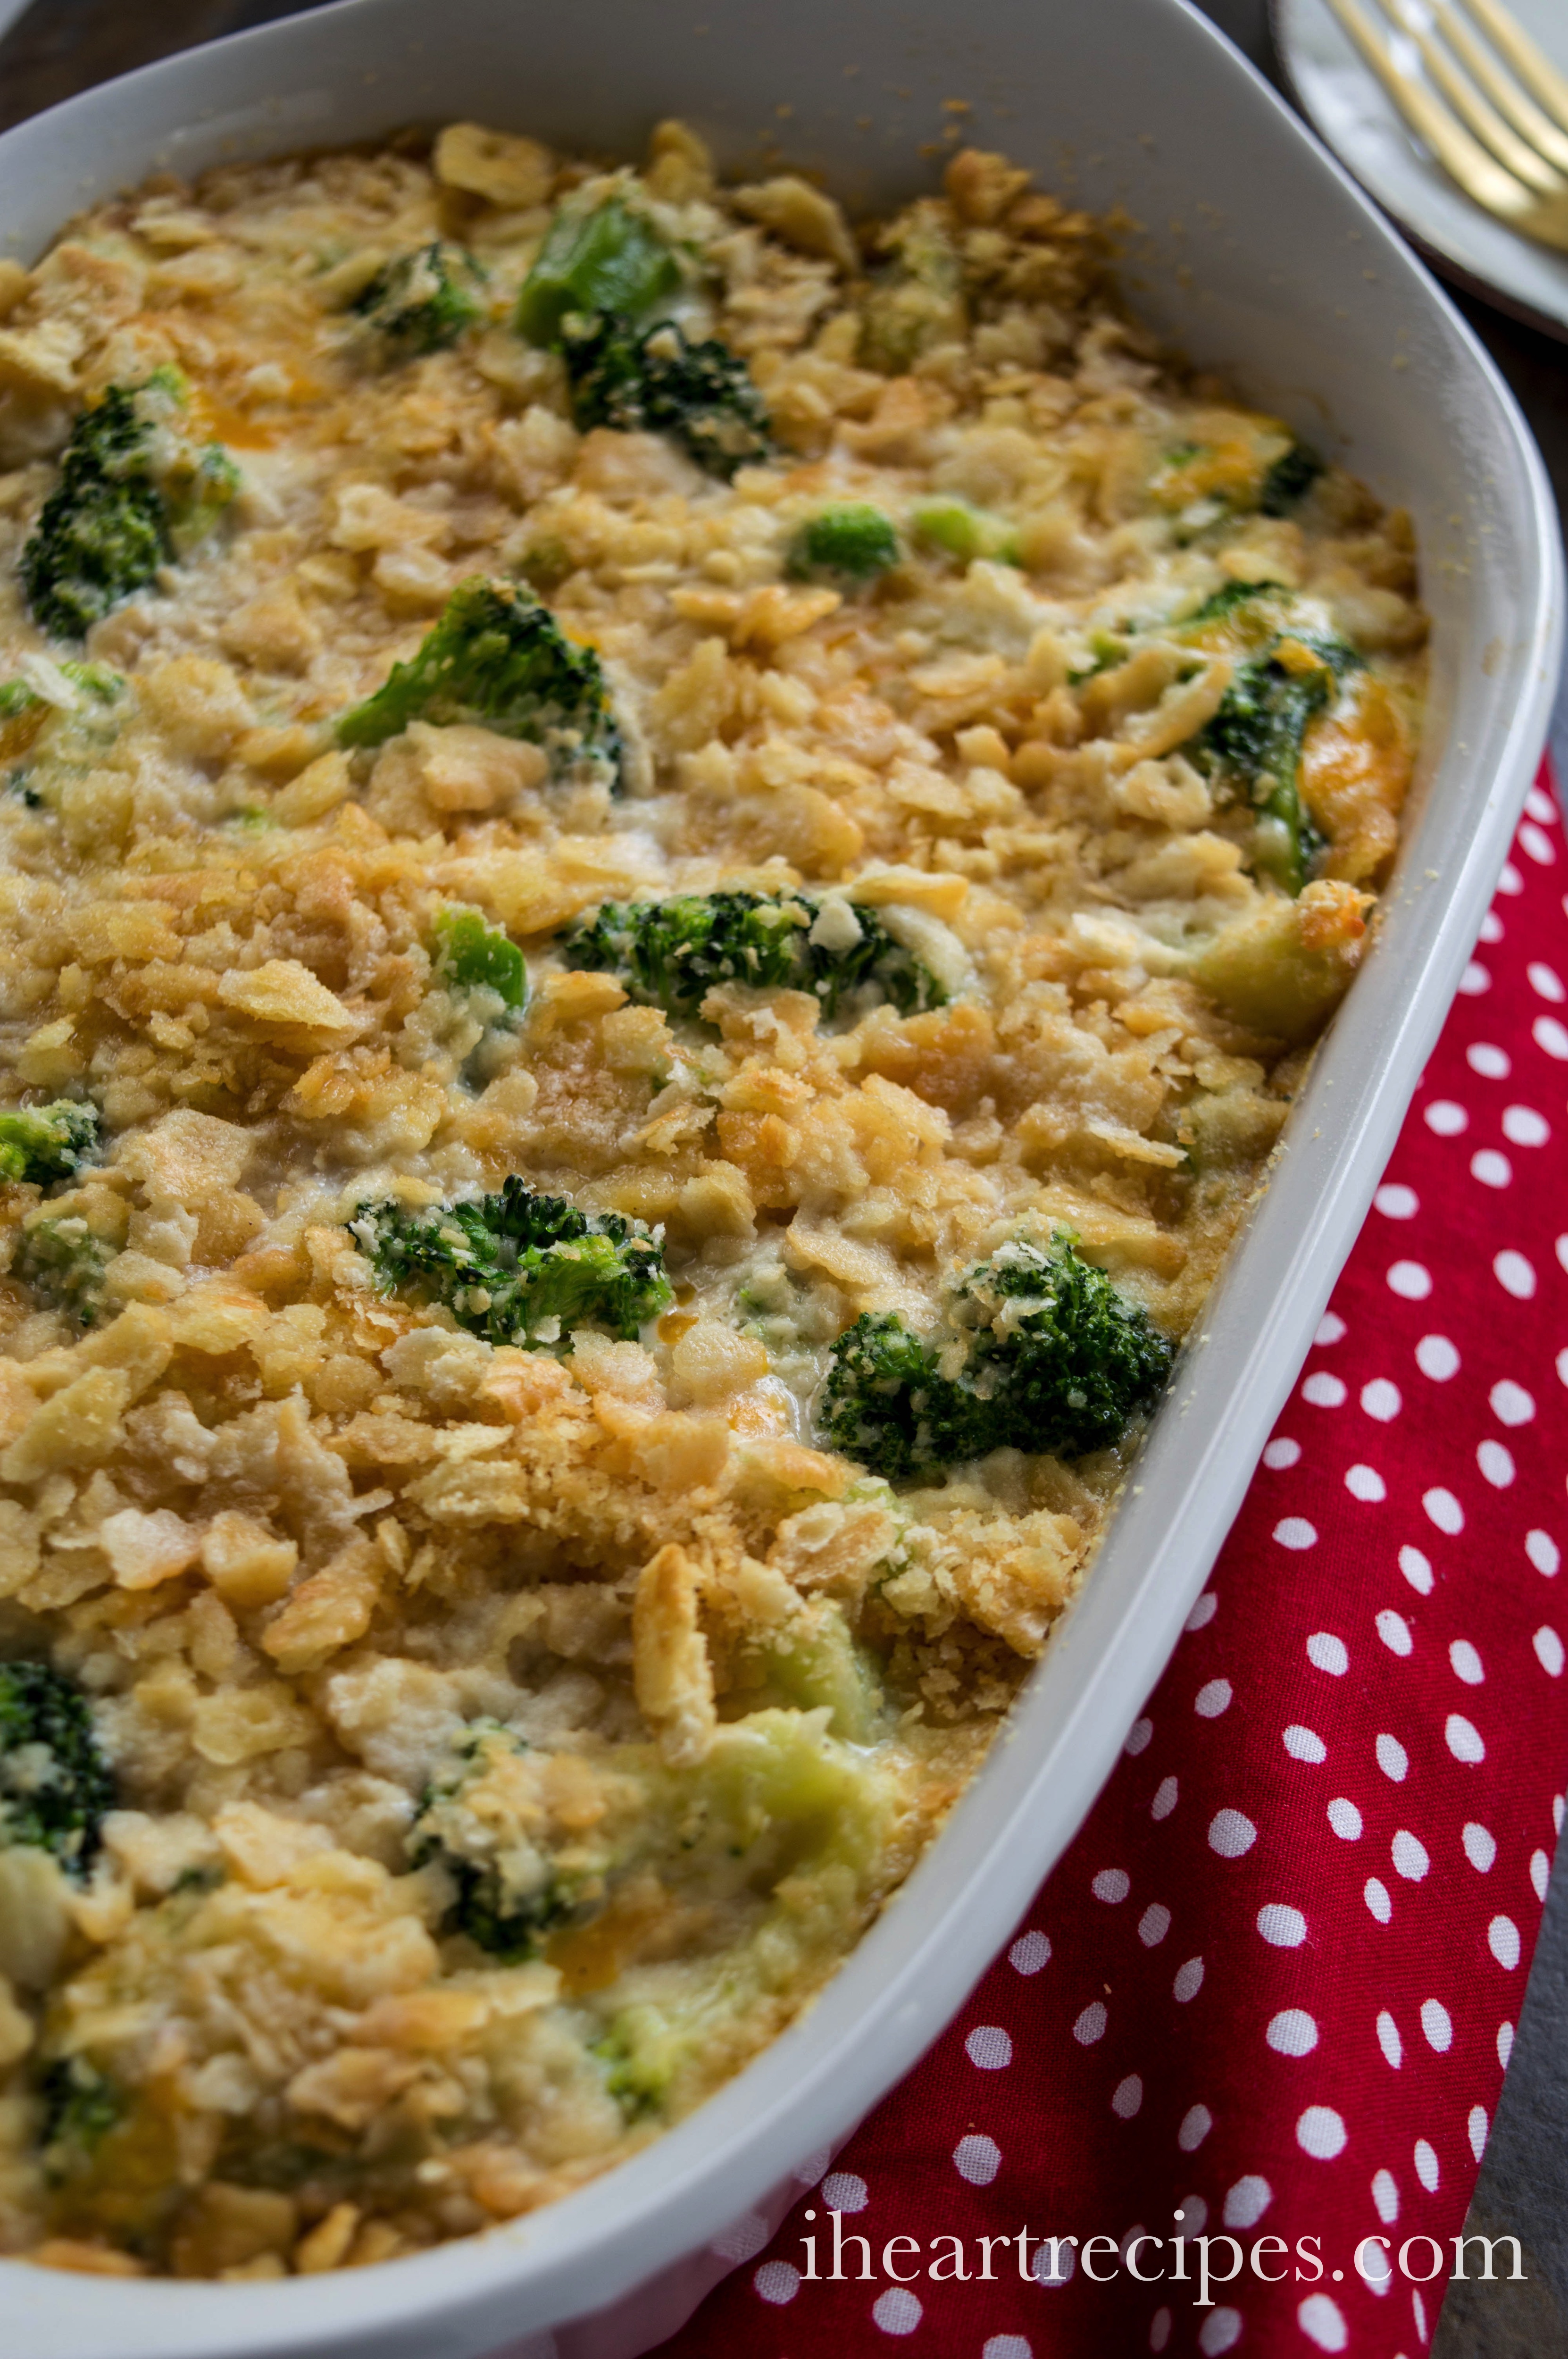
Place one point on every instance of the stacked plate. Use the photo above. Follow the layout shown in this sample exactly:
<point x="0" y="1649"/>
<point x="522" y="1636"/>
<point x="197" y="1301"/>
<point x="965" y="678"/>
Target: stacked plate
<point x="1346" y="106"/>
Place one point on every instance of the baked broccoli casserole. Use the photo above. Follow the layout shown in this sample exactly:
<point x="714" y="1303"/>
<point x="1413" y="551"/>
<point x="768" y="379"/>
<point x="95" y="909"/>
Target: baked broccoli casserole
<point x="666" y="870"/>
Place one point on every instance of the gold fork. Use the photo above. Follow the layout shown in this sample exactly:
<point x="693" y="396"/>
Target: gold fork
<point x="1503" y="134"/>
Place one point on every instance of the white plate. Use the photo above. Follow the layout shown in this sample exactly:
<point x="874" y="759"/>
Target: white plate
<point x="1260" y="257"/>
<point x="1347" y="104"/>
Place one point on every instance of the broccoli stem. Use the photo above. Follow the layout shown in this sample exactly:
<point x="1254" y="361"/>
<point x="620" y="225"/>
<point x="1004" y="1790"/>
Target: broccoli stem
<point x="473" y="956"/>
<point x="610" y="260"/>
<point x="965" y="532"/>
<point x="851" y="544"/>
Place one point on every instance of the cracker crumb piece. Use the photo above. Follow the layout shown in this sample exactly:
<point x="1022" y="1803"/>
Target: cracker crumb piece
<point x="673" y="1674"/>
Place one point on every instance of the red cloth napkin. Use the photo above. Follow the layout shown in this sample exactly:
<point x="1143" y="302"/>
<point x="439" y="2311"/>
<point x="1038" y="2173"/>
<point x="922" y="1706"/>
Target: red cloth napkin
<point x="1270" y="1989"/>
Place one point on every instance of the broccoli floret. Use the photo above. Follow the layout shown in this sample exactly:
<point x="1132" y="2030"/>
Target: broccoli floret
<point x="55" y="1785"/>
<point x="1039" y="1352"/>
<point x="518" y="1268"/>
<point x="82" y="2105"/>
<point x="672" y="953"/>
<point x="65" y="1263"/>
<point x="887" y="1404"/>
<point x="498" y="658"/>
<point x="45" y="1143"/>
<point x="421" y="302"/>
<point x="135" y="491"/>
<point x="611" y="260"/>
<point x="473" y="956"/>
<point x="1290" y="479"/>
<point x="509" y="1893"/>
<point x="1253" y="743"/>
<point x="1066" y="1359"/>
<point x="1255" y="740"/>
<point x="656" y="382"/>
<point x="848" y="544"/>
<point x="965" y="532"/>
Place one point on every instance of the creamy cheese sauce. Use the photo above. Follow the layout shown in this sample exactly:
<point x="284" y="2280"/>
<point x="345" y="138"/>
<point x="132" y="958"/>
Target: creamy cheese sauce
<point x="508" y="1737"/>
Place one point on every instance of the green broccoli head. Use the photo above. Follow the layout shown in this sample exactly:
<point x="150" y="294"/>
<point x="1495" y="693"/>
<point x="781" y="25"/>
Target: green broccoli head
<point x="1253" y="744"/>
<point x="473" y="956"/>
<point x="887" y="1404"/>
<point x="1290" y="479"/>
<point x="55" y="1785"/>
<point x="422" y="302"/>
<point x="1067" y="1361"/>
<point x="510" y="1893"/>
<point x="1039" y="1352"/>
<point x="65" y="1263"/>
<point x="672" y="954"/>
<point x="700" y="395"/>
<point x="519" y="1268"/>
<point x="610" y="260"/>
<point x="849" y="544"/>
<point x="498" y="660"/>
<point x="45" y="1143"/>
<point x="135" y="491"/>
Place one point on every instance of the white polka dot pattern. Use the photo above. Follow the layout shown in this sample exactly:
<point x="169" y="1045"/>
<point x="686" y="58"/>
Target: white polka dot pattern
<point x="1322" y="2321"/>
<point x="777" y="2281"/>
<point x="1276" y="1978"/>
<point x="898" y="2311"/>
<point x="977" y="2160"/>
<point x="1321" y="2132"/>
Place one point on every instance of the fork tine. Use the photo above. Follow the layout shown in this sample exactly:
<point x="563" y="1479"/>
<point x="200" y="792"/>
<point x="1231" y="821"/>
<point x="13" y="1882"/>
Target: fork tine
<point x="1463" y="157"/>
<point x="1546" y="84"/>
<point x="1483" y="119"/>
<point x="1505" y="93"/>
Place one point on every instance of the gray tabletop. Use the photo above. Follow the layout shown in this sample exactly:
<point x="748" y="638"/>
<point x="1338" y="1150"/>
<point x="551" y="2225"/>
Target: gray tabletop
<point x="59" y="47"/>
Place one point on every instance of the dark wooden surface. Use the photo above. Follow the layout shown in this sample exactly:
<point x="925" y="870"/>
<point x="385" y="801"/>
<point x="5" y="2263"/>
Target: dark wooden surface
<point x="62" y="46"/>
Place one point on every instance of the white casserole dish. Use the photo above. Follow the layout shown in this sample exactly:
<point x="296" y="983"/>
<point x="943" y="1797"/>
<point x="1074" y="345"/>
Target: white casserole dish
<point x="1260" y="257"/>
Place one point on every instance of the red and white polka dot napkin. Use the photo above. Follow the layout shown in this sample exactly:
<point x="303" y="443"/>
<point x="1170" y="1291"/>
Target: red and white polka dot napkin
<point x="1268" y="1997"/>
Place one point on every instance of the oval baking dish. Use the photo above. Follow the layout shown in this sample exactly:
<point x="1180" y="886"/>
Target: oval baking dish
<point x="1254" y="255"/>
